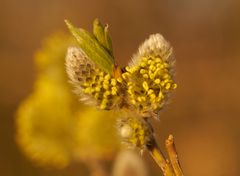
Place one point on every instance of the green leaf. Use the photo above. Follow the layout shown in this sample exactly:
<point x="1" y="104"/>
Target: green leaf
<point x="102" y="35"/>
<point x="92" y="48"/>
<point x="98" y="31"/>
<point x="108" y="40"/>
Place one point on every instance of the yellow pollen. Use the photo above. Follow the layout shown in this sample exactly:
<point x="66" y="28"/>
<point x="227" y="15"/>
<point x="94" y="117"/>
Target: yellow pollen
<point x="101" y="73"/>
<point x="106" y="94"/>
<point x="158" y="60"/>
<point x="133" y="102"/>
<point x="96" y="95"/>
<point x="157" y="71"/>
<point x="142" y="71"/>
<point x="154" y="106"/>
<point x="119" y="80"/>
<point x="152" y="96"/>
<point x="114" y="90"/>
<point x="143" y="98"/>
<point x="150" y="91"/>
<point x="100" y="79"/>
<point x="88" y="90"/>
<point x="145" y="85"/>
<point x="141" y="132"/>
<point x="125" y="75"/>
<point x="144" y="59"/>
<point x="168" y="85"/>
<point x="166" y="65"/>
<point x="160" y="94"/>
<point x="127" y="68"/>
<point x="105" y="86"/>
<point x="107" y="77"/>
<point x="152" y="68"/>
<point x="113" y="82"/>
<point x="103" y="106"/>
<point x="129" y="83"/>
<point x="143" y="64"/>
<point x="157" y="81"/>
<point x="130" y="91"/>
<point x="97" y="89"/>
<point x="166" y="76"/>
<point x="174" y="86"/>
<point x="162" y="83"/>
<point x="151" y="76"/>
<point x="145" y="76"/>
<point x="86" y="84"/>
<point x="139" y="99"/>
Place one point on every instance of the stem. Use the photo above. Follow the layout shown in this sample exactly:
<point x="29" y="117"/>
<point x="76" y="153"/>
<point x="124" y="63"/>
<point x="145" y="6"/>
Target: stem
<point x="157" y="155"/>
<point x="172" y="153"/>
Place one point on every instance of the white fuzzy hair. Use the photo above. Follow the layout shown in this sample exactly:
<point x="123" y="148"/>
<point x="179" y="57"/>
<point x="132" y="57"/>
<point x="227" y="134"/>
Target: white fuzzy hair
<point x="74" y="57"/>
<point x="155" y="46"/>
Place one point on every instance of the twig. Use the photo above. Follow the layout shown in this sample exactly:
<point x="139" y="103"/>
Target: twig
<point x="171" y="168"/>
<point x="157" y="155"/>
<point x="172" y="153"/>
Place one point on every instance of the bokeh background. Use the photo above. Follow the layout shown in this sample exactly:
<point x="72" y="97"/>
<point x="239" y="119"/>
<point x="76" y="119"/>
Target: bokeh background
<point x="204" y="112"/>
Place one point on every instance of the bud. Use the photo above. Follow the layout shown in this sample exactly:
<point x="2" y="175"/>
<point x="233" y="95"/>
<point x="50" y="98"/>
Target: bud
<point x="135" y="132"/>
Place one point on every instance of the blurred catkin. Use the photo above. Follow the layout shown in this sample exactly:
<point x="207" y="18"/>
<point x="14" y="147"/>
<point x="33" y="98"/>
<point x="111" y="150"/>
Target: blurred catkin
<point x="53" y="128"/>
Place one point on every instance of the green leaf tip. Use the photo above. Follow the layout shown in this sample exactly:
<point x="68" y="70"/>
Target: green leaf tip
<point x="108" y="39"/>
<point x="102" y="35"/>
<point x="98" y="32"/>
<point x="92" y="47"/>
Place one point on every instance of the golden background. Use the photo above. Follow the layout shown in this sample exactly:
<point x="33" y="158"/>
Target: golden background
<point x="204" y="112"/>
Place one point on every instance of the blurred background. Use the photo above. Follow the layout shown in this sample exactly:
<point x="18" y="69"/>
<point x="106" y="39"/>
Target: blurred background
<point x="204" y="112"/>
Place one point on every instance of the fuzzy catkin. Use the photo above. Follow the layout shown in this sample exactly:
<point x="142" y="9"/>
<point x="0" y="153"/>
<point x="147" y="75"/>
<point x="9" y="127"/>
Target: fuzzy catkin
<point x="92" y="85"/>
<point x="149" y="76"/>
<point x="135" y="131"/>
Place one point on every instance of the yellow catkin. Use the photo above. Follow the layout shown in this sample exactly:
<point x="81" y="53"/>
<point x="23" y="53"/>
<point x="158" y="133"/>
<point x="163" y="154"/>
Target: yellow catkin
<point x="148" y="82"/>
<point x="138" y="134"/>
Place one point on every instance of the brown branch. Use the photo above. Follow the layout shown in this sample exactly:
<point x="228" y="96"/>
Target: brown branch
<point x="172" y="153"/>
<point x="157" y="155"/>
<point x="171" y="168"/>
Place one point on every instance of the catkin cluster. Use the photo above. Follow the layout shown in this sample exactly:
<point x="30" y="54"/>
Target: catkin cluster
<point x="142" y="87"/>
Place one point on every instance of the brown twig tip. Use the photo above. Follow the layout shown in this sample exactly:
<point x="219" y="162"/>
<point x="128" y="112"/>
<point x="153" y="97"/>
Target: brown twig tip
<point x="172" y="153"/>
<point x="162" y="162"/>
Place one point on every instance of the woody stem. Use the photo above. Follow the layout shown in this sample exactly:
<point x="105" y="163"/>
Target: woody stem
<point x="157" y="155"/>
